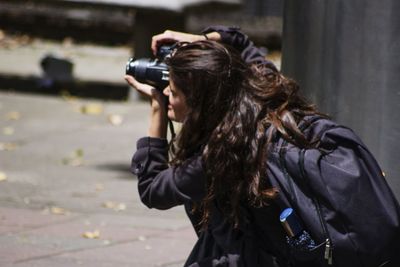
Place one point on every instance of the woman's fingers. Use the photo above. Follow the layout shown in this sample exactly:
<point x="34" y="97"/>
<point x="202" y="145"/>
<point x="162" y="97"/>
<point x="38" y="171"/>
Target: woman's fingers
<point x="157" y="99"/>
<point x="172" y="36"/>
<point x="165" y="37"/>
<point x="141" y="87"/>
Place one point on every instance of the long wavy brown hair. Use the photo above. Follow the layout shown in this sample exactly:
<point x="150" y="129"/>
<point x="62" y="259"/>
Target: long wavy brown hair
<point x="231" y="106"/>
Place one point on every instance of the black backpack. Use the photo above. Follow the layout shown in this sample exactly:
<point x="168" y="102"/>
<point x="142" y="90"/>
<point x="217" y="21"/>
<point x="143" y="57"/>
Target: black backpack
<point x="341" y="197"/>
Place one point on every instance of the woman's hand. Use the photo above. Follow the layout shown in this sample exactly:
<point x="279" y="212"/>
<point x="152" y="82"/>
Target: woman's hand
<point x="156" y="97"/>
<point x="172" y="36"/>
<point x="158" y="120"/>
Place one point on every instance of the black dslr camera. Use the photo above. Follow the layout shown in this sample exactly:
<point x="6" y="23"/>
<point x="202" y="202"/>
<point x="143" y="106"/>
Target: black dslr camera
<point x="151" y="71"/>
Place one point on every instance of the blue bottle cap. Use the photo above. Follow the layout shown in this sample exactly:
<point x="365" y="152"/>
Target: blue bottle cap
<point x="285" y="213"/>
<point x="290" y="222"/>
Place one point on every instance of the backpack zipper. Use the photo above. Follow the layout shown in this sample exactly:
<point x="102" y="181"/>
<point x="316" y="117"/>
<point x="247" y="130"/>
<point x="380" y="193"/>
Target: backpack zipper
<point x="328" y="252"/>
<point x="328" y="255"/>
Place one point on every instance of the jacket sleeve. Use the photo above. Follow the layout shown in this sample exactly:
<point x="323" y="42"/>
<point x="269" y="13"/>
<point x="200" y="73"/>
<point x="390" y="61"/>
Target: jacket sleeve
<point x="360" y="210"/>
<point x="234" y="37"/>
<point x="161" y="186"/>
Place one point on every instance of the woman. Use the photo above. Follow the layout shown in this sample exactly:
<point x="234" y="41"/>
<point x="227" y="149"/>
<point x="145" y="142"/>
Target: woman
<point x="228" y="167"/>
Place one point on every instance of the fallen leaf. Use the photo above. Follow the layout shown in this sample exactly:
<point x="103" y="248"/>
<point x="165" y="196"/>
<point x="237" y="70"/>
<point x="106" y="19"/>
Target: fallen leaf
<point x="92" y="109"/>
<point x="58" y="211"/>
<point x="3" y="176"/>
<point x="67" y="42"/>
<point x="99" y="187"/>
<point x="8" y="131"/>
<point x="13" y="115"/>
<point x="24" y="39"/>
<point x="11" y="44"/>
<point x="78" y="153"/>
<point x="120" y="207"/>
<point x="67" y="96"/>
<point x="73" y="162"/>
<point x="109" y="204"/>
<point x="115" y="119"/>
<point x="75" y="159"/>
<point x="7" y="146"/>
<point x="115" y="206"/>
<point x="92" y="235"/>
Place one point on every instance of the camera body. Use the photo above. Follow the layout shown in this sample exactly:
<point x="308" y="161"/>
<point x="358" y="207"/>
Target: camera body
<point x="151" y="71"/>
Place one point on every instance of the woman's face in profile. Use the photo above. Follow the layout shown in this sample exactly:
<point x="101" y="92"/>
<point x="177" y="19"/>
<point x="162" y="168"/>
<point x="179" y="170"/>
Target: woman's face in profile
<point x="177" y="108"/>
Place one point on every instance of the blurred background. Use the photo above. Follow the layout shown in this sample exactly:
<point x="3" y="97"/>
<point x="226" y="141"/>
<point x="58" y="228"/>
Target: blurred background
<point x="110" y="31"/>
<point x="69" y="122"/>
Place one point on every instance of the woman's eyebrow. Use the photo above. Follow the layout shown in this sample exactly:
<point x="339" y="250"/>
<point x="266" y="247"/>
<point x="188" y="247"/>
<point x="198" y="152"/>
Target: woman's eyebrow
<point x="172" y="89"/>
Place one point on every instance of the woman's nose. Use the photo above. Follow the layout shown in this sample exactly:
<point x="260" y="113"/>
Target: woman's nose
<point x="166" y="91"/>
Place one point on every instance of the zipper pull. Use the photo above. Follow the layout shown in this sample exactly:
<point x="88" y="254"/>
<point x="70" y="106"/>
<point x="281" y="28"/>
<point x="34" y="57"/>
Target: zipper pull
<point x="328" y="252"/>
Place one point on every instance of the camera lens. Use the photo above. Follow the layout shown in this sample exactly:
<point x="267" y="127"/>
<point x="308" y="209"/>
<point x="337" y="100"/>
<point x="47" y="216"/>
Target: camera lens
<point x="137" y="69"/>
<point x="153" y="72"/>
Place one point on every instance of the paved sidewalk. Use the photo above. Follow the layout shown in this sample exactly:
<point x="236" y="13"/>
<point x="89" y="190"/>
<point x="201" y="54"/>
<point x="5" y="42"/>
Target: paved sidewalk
<point x="66" y="195"/>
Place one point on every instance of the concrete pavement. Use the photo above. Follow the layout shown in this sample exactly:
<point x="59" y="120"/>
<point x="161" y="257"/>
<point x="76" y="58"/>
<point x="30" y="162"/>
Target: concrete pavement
<point x="67" y="197"/>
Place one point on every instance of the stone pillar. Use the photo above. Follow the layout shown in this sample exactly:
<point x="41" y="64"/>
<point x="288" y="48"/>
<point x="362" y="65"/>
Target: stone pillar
<point x="346" y="57"/>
